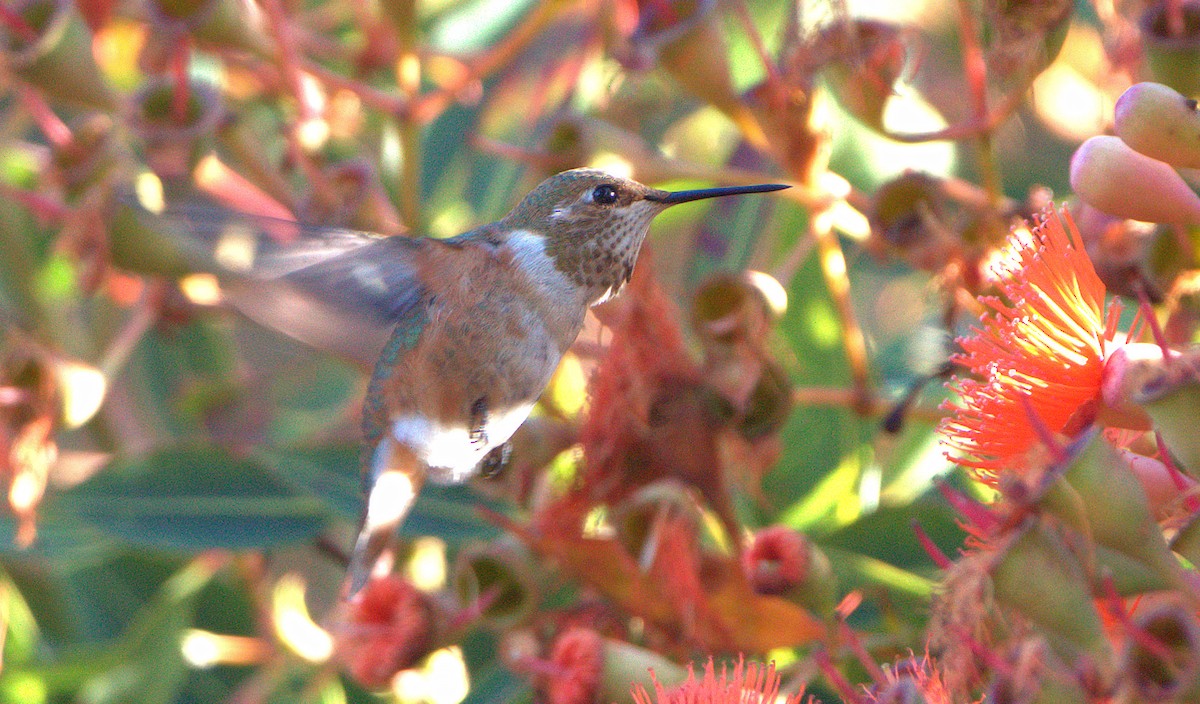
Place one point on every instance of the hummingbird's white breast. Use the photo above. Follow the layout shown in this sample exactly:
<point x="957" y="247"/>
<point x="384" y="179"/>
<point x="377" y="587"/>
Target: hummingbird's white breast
<point x="529" y="254"/>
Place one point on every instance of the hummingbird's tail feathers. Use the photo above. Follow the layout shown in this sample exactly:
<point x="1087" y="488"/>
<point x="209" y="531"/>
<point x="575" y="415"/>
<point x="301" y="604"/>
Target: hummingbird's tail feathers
<point x="396" y="476"/>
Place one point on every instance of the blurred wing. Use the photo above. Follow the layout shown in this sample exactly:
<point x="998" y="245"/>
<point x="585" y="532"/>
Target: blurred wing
<point x="218" y="239"/>
<point x="348" y="304"/>
<point x="338" y="290"/>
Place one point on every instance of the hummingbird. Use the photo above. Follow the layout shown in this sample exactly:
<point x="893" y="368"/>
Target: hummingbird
<point x="462" y="334"/>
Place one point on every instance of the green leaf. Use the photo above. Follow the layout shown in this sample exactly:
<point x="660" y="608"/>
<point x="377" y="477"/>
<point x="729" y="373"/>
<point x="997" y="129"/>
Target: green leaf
<point x="855" y="570"/>
<point x="21" y="631"/>
<point x="1173" y="411"/>
<point x="20" y="260"/>
<point x="144" y="665"/>
<point x="106" y="594"/>
<point x="194" y="498"/>
<point x="887" y="534"/>
<point x="308" y="394"/>
<point x="332" y="475"/>
<point x="452" y="513"/>
<point x="491" y="681"/>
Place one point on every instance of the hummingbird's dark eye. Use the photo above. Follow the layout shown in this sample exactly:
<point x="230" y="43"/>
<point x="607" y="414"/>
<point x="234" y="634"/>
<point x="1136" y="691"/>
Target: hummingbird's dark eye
<point x="604" y="194"/>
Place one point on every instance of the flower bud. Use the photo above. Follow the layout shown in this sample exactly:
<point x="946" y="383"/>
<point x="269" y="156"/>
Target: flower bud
<point x="1159" y="122"/>
<point x="728" y="308"/>
<point x="498" y="578"/>
<point x="223" y="24"/>
<point x="1101" y="497"/>
<point x="1026" y="36"/>
<point x="1126" y="371"/>
<point x="783" y="562"/>
<point x="866" y="57"/>
<point x="1170" y="672"/>
<point x="1172" y="59"/>
<point x="90" y="158"/>
<point x="58" y="57"/>
<point x="175" y="139"/>
<point x="686" y="39"/>
<point x="906" y="221"/>
<point x="356" y="199"/>
<point x="1120" y="250"/>
<point x="637" y="518"/>
<point x="1129" y="576"/>
<point x="1038" y="576"/>
<point x="585" y="668"/>
<point x="1187" y="541"/>
<point x="769" y="405"/>
<point x="1163" y="486"/>
<point x="1183" y="309"/>
<point x="1172" y="400"/>
<point x="1115" y="179"/>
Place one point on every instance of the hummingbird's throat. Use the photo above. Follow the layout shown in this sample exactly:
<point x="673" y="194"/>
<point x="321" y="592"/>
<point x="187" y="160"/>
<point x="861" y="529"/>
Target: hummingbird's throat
<point x="599" y="255"/>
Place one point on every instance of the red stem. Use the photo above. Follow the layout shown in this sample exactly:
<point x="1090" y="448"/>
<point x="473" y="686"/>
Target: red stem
<point x="1160" y="337"/>
<point x="1043" y="431"/>
<point x="1115" y="606"/>
<point x="860" y="652"/>
<point x="289" y="57"/>
<point x="47" y="121"/>
<point x="847" y="691"/>
<point x="1176" y="26"/>
<point x="179" y="72"/>
<point x="935" y="553"/>
<point x="978" y="515"/>
<point x="1192" y="502"/>
<point x="44" y="208"/>
<point x="16" y="23"/>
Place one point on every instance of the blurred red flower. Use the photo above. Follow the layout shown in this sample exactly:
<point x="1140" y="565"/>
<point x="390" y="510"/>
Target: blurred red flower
<point x="391" y="627"/>
<point x="747" y="683"/>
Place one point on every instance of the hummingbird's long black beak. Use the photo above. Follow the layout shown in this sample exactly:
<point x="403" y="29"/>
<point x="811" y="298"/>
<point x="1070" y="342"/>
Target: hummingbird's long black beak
<point x="674" y="197"/>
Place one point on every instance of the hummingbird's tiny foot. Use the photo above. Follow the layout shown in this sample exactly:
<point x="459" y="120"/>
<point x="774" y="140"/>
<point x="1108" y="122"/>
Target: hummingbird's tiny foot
<point x="479" y="421"/>
<point x="496" y="461"/>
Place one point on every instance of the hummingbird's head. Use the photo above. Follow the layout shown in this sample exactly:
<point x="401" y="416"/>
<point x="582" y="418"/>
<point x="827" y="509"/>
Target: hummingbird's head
<point x="594" y="223"/>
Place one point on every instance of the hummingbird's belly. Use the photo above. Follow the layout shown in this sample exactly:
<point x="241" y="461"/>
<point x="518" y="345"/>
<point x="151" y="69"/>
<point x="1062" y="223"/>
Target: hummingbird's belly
<point x="491" y="343"/>
<point x="475" y="387"/>
<point x="477" y="406"/>
<point x="452" y="451"/>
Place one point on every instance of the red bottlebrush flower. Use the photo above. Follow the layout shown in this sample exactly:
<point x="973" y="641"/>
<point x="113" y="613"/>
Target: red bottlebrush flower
<point x="677" y="565"/>
<point x="1040" y="354"/>
<point x="651" y="414"/>
<point x="911" y="680"/>
<point x="747" y="683"/>
<point x="585" y="668"/>
<point x="783" y="562"/>
<point x="391" y="626"/>
<point x="647" y="347"/>
<point x="577" y="661"/>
